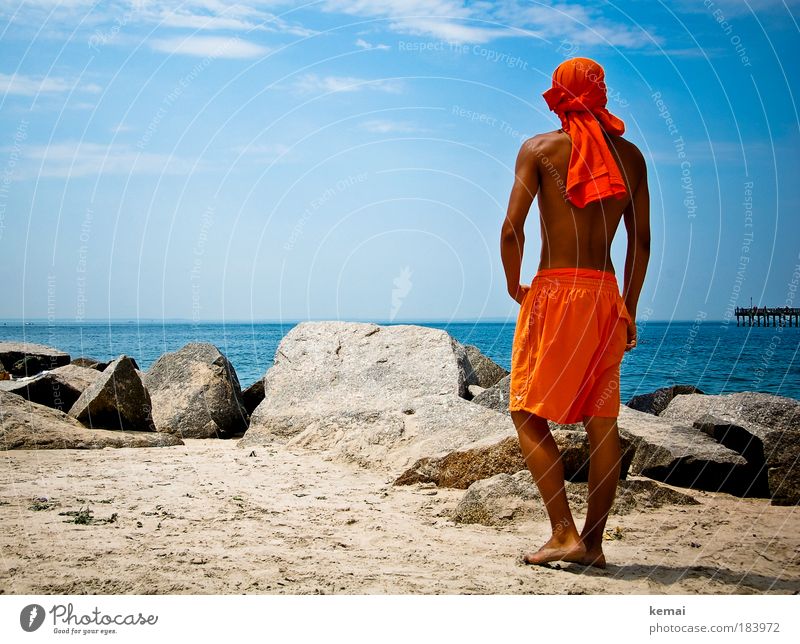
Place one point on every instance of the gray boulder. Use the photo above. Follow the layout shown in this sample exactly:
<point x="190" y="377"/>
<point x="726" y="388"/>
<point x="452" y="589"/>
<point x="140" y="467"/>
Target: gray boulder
<point x="196" y="393"/>
<point x="483" y="371"/>
<point x="91" y="363"/>
<point x="764" y="429"/>
<point x="394" y="438"/>
<point x="486" y="458"/>
<point x="655" y="402"/>
<point x="679" y="454"/>
<point x="116" y="400"/>
<point x="380" y="396"/>
<point x="27" y="425"/>
<point x="474" y="390"/>
<point x="510" y="497"/>
<point x="253" y="395"/>
<point x="59" y="388"/>
<point x="28" y="358"/>
<point x="496" y="397"/>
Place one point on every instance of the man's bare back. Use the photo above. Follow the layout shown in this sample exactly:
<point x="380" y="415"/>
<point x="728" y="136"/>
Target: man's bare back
<point x="579" y="236"/>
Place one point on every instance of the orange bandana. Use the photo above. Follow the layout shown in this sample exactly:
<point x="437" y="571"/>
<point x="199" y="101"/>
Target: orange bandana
<point x="578" y="97"/>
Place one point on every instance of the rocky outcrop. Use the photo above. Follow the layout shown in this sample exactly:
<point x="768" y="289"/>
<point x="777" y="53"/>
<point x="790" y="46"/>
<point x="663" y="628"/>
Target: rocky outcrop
<point x="27" y="425"/>
<point x="474" y="390"/>
<point x="496" y="396"/>
<point x="91" y="363"/>
<point x="28" y="359"/>
<point x="484" y="459"/>
<point x="511" y="497"/>
<point x="380" y="396"/>
<point x="195" y="393"/>
<point x="253" y="395"/>
<point x="483" y="371"/>
<point x="461" y="468"/>
<point x="655" y="402"/>
<point x="764" y="429"/>
<point x="679" y="454"/>
<point x="59" y="388"/>
<point x="116" y="400"/>
<point x="4" y="375"/>
<point x="393" y="439"/>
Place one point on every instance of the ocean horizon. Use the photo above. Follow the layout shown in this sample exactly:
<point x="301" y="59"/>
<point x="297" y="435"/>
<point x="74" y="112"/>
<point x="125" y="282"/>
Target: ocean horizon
<point x="715" y="356"/>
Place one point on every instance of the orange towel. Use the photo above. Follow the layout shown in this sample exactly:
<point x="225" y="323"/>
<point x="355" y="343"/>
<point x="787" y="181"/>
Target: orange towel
<point x="578" y="97"/>
<point x="568" y="345"/>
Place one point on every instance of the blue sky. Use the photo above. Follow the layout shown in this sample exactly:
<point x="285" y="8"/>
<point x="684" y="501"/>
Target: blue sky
<point x="352" y="159"/>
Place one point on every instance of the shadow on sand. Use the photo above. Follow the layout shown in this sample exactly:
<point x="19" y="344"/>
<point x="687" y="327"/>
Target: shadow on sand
<point x="744" y="582"/>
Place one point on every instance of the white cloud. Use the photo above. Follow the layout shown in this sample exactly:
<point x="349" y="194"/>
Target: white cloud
<point x="368" y="45"/>
<point x="315" y="83"/>
<point x="448" y="20"/>
<point x="381" y="126"/>
<point x="23" y="85"/>
<point x="211" y="46"/>
<point x="65" y="18"/>
<point x="579" y="24"/>
<point x="223" y="16"/>
<point x="458" y="21"/>
<point x="73" y="159"/>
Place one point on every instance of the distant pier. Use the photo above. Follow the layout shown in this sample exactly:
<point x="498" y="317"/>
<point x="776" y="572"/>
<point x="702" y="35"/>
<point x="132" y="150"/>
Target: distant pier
<point x="767" y="316"/>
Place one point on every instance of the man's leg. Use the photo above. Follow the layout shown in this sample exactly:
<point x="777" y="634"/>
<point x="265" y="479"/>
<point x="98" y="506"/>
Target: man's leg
<point x="544" y="462"/>
<point x="604" y="469"/>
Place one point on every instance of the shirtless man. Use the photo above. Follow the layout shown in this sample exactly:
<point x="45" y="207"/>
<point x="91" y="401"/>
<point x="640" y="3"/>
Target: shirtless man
<point x="553" y="375"/>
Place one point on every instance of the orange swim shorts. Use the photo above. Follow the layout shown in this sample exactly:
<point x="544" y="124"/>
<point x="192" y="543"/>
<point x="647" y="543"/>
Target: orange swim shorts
<point x="568" y="345"/>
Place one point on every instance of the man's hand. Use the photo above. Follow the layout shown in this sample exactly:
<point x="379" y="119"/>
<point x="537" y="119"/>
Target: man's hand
<point x="631" y="343"/>
<point x="522" y="291"/>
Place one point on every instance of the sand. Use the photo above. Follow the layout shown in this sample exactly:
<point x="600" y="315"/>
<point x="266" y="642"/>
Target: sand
<point x="207" y="518"/>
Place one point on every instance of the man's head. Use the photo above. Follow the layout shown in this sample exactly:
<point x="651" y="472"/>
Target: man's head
<point x="580" y="80"/>
<point x="578" y="97"/>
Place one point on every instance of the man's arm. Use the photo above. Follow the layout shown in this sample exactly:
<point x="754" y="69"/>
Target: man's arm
<point x="512" y="236"/>
<point x="637" y="225"/>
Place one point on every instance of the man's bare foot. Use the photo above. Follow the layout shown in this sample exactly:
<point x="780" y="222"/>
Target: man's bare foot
<point x="594" y="558"/>
<point x="571" y="550"/>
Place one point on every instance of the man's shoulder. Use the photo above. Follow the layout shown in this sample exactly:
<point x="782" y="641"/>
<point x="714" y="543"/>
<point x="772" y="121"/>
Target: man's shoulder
<point x="544" y="143"/>
<point x="628" y="147"/>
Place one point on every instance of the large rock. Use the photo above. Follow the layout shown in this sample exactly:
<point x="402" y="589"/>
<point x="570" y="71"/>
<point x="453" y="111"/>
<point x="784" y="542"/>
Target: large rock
<point x="764" y="429"/>
<point x="655" y="402"/>
<point x="381" y="396"/>
<point x="393" y="439"/>
<point x="27" y="425"/>
<point x="508" y="497"/>
<point x="116" y="400"/>
<point x="196" y="393"/>
<point x="28" y="359"/>
<point x="496" y="397"/>
<point x="91" y="363"/>
<point x="253" y="395"/>
<point x="682" y="455"/>
<point x="483" y="371"/>
<point x="486" y="458"/>
<point x="59" y="388"/>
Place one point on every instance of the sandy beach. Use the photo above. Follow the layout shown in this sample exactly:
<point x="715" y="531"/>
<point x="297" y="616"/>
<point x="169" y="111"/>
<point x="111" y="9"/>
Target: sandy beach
<point x="209" y="518"/>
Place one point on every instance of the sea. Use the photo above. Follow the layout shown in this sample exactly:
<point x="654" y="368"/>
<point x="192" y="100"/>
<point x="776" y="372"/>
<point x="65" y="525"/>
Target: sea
<point x="715" y="356"/>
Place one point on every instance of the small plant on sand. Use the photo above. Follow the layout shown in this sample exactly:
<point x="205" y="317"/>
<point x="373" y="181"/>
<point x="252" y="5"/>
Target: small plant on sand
<point x="85" y="516"/>
<point x="42" y="503"/>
